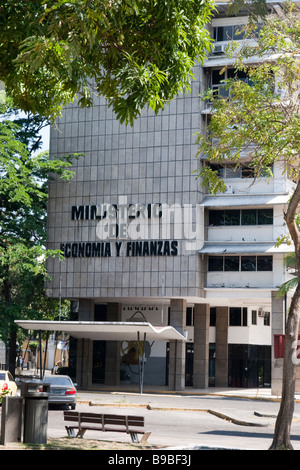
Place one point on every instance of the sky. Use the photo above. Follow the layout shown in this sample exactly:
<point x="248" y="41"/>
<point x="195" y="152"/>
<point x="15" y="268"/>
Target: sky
<point x="45" y="133"/>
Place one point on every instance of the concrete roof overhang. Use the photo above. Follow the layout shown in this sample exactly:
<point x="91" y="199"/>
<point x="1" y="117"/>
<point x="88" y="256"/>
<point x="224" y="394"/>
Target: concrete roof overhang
<point x="105" y="331"/>
<point x="215" y="248"/>
<point x="228" y="200"/>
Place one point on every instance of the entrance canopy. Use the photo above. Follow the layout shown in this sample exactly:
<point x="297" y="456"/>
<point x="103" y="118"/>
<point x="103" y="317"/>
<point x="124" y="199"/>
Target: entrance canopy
<point x="109" y="331"/>
<point x="105" y="331"/>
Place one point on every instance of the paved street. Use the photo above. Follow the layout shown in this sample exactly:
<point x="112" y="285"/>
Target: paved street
<point x="188" y="420"/>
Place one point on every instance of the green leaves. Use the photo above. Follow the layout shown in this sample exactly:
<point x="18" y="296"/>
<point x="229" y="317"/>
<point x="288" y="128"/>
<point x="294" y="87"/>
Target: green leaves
<point x="135" y="53"/>
<point x="23" y="210"/>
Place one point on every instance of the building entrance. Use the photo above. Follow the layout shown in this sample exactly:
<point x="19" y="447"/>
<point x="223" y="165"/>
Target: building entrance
<point x="249" y="366"/>
<point x="99" y="355"/>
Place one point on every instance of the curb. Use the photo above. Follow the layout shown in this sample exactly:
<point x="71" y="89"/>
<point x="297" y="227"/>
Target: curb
<point x="155" y="408"/>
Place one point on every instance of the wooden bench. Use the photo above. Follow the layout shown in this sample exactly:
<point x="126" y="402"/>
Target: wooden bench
<point x="106" y="423"/>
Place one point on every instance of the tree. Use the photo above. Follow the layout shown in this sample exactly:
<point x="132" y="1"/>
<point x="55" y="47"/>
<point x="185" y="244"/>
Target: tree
<point x="23" y="205"/>
<point x="134" y="53"/>
<point x="261" y="120"/>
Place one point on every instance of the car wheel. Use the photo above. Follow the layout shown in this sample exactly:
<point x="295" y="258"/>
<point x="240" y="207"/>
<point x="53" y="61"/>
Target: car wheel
<point x="73" y="407"/>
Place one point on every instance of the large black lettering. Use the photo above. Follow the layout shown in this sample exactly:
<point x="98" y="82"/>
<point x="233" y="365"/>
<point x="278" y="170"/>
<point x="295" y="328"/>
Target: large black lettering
<point x="96" y="249"/>
<point x="77" y="212"/>
<point x="153" y="248"/>
<point x="159" y="246"/>
<point x="146" y="249"/>
<point x="174" y="248"/>
<point x="166" y="248"/>
<point x="81" y="250"/>
<point x="107" y="251"/>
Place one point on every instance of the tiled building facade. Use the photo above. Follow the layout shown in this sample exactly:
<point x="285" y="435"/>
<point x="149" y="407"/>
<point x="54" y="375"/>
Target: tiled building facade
<point x="143" y="240"/>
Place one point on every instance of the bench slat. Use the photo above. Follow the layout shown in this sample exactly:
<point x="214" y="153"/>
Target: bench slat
<point x="106" y="423"/>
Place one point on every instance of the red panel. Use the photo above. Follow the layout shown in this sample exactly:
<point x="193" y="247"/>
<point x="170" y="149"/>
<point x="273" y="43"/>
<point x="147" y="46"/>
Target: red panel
<point x="279" y="346"/>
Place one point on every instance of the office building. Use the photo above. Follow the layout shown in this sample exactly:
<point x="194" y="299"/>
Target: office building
<point x="143" y="241"/>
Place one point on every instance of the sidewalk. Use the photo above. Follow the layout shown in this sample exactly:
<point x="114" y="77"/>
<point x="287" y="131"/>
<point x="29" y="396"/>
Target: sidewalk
<point x="247" y="393"/>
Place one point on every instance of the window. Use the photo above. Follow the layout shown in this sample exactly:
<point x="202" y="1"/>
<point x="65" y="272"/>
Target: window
<point x="215" y="263"/>
<point x="238" y="316"/>
<point x="232" y="217"/>
<point x="265" y="217"/>
<point x="219" y="75"/>
<point x="248" y="263"/>
<point x="248" y="217"/>
<point x="241" y="217"/>
<point x="228" y="33"/>
<point x="240" y="263"/>
<point x="212" y="316"/>
<point x="231" y="263"/>
<point x="237" y="170"/>
<point x="264" y="263"/>
<point x="267" y="319"/>
<point x="254" y="317"/>
<point x="189" y="316"/>
<point x="227" y="170"/>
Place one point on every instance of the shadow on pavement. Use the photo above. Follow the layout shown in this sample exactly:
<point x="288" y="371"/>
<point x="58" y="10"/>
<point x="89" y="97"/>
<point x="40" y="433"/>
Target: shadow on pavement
<point x="246" y="434"/>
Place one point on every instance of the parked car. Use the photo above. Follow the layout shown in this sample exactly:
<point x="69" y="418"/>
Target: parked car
<point x="8" y="385"/>
<point x="62" y="390"/>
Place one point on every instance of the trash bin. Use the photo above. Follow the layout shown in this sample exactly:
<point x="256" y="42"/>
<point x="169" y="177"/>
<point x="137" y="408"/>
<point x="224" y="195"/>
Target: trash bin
<point x="35" y="395"/>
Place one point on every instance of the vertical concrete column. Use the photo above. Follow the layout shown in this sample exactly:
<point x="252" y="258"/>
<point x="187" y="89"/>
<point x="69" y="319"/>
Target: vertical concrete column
<point x="201" y="345"/>
<point x="84" y="347"/>
<point x="112" y="360"/>
<point x="278" y="315"/>
<point x="221" y="365"/>
<point x="177" y="348"/>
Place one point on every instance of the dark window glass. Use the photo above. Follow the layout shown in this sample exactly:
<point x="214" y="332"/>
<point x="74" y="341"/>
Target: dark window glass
<point x="231" y="264"/>
<point x="248" y="217"/>
<point x="247" y="172"/>
<point x="189" y="316"/>
<point x="232" y="217"/>
<point x="100" y="312"/>
<point x="254" y="317"/>
<point x="265" y="216"/>
<point x="216" y="218"/>
<point x="217" y="77"/>
<point x="212" y="317"/>
<point x="219" y="168"/>
<point x="231" y="73"/>
<point x="248" y="263"/>
<point x="235" y="316"/>
<point x="215" y="263"/>
<point x="264" y="263"/>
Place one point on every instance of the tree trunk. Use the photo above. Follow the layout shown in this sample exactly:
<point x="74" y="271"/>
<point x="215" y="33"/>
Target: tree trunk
<point x="284" y="419"/>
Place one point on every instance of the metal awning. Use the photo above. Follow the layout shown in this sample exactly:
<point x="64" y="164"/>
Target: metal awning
<point x="109" y="331"/>
<point x="105" y="331"/>
<point x="250" y="200"/>
<point x="243" y="248"/>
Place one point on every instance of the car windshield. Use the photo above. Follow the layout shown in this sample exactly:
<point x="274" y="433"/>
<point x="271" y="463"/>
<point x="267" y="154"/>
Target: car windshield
<point x="56" y="380"/>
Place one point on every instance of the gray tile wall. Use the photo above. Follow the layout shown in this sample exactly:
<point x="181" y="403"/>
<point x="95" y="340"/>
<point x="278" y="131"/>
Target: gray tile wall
<point x="151" y="162"/>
